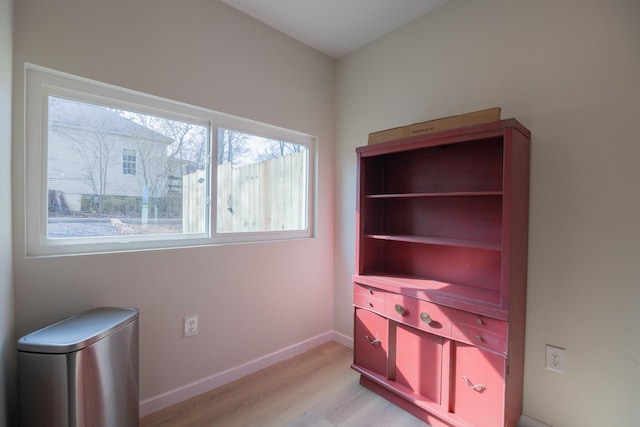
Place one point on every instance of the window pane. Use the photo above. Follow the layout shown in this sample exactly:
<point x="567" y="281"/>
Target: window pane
<point x="114" y="172"/>
<point x="128" y="161"/>
<point x="262" y="183"/>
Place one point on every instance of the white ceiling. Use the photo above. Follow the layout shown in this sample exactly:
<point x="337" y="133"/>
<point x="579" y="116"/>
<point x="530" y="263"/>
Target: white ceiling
<point x="335" y="27"/>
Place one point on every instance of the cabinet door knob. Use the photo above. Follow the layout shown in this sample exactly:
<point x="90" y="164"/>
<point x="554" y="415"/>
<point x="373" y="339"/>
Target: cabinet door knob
<point x="372" y="342"/>
<point x="477" y="387"/>
<point x="479" y="321"/>
<point x="425" y="317"/>
<point x="400" y="309"/>
<point x="479" y="338"/>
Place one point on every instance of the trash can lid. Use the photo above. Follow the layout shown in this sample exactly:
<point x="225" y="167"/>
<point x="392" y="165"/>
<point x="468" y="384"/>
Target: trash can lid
<point x="77" y="332"/>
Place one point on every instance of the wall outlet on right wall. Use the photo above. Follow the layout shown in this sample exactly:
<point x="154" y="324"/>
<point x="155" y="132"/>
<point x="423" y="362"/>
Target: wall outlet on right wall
<point x="555" y="358"/>
<point x="190" y="326"/>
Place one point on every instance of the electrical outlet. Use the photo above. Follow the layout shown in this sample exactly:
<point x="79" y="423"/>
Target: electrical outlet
<point x="555" y="359"/>
<point x="190" y="326"/>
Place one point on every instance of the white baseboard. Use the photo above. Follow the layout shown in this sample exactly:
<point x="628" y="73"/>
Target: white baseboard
<point x="179" y="394"/>
<point x="345" y="340"/>
<point x="526" y="421"/>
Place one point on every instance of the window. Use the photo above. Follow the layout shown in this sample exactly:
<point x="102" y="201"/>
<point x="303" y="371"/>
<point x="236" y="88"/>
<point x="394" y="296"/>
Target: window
<point x="262" y="183"/>
<point x="109" y="169"/>
<point x="128" y="161"/>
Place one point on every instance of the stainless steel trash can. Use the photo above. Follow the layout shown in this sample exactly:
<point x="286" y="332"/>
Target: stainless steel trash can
<point x="81" y="371"/>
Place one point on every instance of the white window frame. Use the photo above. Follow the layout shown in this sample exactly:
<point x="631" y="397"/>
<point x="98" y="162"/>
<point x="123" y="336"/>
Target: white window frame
<point x="129" y="163"/>
<point x="42" y="82"/>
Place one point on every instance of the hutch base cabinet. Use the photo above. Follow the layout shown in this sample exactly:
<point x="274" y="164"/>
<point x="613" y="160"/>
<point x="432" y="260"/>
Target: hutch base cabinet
<point x="440" y="284"/>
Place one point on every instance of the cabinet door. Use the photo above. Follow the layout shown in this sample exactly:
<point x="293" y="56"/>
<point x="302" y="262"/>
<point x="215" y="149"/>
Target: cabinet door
<point x="371" y="343"/>
<point x="419" y="362"/>
<point x="478" y="386"/>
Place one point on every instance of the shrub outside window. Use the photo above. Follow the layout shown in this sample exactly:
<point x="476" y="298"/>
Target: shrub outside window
<point x="110" y="169"/>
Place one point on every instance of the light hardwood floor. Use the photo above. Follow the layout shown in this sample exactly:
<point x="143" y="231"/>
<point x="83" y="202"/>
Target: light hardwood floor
<point x="317" y="388"/>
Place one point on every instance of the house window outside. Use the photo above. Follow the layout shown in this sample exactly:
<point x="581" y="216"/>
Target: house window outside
<point x="128" y="161"/>
<point x="127" y="171"/>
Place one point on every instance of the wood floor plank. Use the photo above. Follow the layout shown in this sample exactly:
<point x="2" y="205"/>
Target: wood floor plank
<point x="316" y="388"/>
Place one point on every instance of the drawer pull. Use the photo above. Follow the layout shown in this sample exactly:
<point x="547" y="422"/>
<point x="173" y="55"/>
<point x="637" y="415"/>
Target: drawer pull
<point x="479" y="338"/>
<point x="477" y="387"/>
<point x="479" y="321"/>
<point x="371" y="291"/>
<point x="425" y="318"/>
<point x="399" y="309"/>
<point x="372" y="342"/>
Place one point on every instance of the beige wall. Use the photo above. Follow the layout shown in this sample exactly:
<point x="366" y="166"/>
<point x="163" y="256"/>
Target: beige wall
<point x="7" y="341"/>
<point x="251" y="299"/>
<point x="569" y="71"/>
<point x="566" y="69"/>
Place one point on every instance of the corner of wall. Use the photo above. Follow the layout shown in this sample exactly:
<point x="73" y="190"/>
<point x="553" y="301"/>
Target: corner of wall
<point x="7" y="341"/>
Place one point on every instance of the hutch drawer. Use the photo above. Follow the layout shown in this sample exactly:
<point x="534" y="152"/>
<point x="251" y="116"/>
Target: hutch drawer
<point x="484" y="323"/>
<point x="369" y="291"/>
<point x="370" y="298"/>
<point x="480" y="337"/>
<point x="420" y="314"/>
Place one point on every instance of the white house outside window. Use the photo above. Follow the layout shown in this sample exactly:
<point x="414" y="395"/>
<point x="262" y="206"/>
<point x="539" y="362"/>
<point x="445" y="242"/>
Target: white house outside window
<point x="110" y="169"/>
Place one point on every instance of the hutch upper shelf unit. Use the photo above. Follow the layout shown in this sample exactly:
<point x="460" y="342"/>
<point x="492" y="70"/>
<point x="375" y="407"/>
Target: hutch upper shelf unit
<point x="440" y="283"/>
